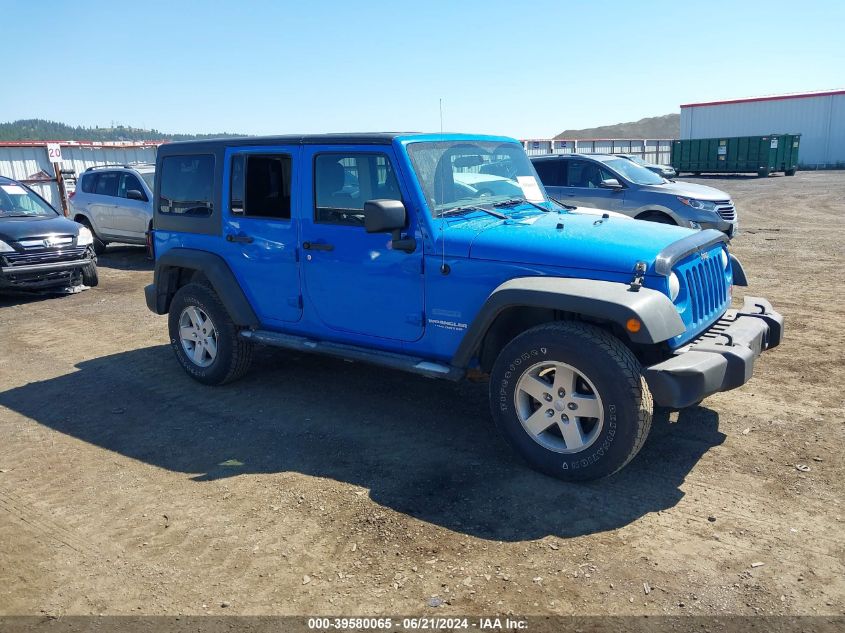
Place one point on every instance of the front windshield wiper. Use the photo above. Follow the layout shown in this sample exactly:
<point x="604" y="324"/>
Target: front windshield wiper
<point x="514" y="201"/>
<point x="462" y="209"/>
<point x="569" y="207"/>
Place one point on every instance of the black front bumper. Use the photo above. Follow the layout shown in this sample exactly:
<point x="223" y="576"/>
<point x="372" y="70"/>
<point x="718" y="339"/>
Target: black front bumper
<point x="38" y="276"/>
<point x="720" y="359"/>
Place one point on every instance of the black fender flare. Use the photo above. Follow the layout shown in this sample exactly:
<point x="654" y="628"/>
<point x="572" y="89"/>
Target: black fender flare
<point x="214" y="268"/>
<point x="607" y="300"/>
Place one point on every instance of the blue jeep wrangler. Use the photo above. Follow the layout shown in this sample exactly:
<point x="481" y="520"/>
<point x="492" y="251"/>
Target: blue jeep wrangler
<point x="442" y="255"/>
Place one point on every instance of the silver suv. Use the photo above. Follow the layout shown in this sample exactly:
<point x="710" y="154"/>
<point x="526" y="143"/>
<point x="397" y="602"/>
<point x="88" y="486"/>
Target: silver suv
<point x="116" y="203"/>
<point x="617" y="184"/>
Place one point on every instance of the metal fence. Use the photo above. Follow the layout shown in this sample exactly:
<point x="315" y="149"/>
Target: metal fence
<point x="652" y="150"/>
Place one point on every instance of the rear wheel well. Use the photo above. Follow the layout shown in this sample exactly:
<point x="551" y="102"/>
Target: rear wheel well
<point x="174" y="277"/>
<point x="513" y="321"/>
<point x="656" y="216"/>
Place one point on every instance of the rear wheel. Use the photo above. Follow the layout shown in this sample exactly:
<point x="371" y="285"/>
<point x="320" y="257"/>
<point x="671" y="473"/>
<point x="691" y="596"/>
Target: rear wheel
<point x="570" y="398"/>
<point x="99" y="245"/>
<point x="206" y="341"/>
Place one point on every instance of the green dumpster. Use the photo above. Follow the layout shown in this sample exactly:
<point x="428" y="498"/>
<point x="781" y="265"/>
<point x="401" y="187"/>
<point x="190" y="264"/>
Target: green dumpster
<point x="762" y="155"/>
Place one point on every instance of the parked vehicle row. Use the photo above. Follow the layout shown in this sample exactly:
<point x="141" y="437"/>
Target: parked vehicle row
<point x="444" y="255"/>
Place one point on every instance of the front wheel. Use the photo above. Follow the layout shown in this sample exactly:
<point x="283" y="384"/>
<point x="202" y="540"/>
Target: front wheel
<point x="204" y="338"/>
<point x="570" y="398"/>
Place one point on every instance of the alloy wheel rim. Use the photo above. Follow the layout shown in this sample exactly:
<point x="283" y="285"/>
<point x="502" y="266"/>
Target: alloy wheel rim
<point x="198" y="336"/>
<point x="559" y="407"/>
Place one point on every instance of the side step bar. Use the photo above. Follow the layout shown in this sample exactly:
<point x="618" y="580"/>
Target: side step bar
<point x="350" y="352"/>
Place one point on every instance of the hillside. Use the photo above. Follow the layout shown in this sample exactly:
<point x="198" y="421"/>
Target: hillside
<point x="666" y="126"/>
<point x="41" y="130"/>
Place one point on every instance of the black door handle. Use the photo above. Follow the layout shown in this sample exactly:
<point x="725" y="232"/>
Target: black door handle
<point x="317" y="246"/>
<point x="243" y="239"/>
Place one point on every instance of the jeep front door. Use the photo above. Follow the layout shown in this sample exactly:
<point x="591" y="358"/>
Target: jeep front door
<point x="355" y="281"/>
<point x="260" y="236"/>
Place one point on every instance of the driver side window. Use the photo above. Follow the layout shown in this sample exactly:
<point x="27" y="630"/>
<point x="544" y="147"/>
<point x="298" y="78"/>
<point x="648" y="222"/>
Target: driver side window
<point x="344" y="182"/>
<point x="587" y="174"/>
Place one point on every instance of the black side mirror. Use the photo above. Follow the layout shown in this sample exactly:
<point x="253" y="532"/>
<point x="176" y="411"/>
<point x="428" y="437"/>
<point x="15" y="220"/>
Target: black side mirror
<point x="611" y="183"/>
<point x="389" y="216"/>
<point x="134" y="194"/>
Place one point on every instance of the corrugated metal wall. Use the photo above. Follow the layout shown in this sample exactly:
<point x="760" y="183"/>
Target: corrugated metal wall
<point x="819" y="119"/>
<point x="23" y="162"/>
<point x="653" y="150"/>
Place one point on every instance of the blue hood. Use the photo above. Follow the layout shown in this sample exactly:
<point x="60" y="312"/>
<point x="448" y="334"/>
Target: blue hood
<point x="584" y="241"/>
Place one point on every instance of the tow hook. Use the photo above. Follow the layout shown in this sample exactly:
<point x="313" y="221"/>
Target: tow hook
<point x="639" y="273"/>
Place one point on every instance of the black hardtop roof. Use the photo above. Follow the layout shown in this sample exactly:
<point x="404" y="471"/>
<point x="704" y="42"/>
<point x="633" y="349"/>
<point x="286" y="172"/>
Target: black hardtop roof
<point x="370" y="138"/>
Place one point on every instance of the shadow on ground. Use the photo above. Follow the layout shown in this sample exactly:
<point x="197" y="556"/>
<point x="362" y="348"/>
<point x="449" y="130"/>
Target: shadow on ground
<point x="125" y="257"/>
<point x="421" y="447"/>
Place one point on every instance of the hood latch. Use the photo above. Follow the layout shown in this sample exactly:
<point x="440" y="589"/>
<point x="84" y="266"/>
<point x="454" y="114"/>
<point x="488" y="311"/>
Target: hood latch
<point x="639" y="273"/>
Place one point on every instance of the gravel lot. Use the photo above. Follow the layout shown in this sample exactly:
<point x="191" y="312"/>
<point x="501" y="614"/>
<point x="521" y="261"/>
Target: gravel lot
<point x="319" y="486"/>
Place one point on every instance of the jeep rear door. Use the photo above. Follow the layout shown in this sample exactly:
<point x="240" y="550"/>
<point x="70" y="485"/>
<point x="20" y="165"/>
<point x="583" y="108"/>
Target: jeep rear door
<point x="260" y="236"/>
<point x="354" y="280"/>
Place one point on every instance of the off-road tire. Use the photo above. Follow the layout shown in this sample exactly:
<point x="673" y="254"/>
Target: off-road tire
<point x="234" y="354"/>
<point x="90" y="277"/>
<point x="617" y="376"/>
<point x="99" y="244"/>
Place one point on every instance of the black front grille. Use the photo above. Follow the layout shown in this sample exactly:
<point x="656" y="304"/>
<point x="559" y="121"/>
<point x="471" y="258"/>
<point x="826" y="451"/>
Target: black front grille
<point x="726" y="210"/>
<point x="45" y="256"/>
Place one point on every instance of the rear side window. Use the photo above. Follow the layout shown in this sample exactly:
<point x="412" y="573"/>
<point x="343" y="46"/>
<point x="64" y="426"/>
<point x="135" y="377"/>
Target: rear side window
<point x="261" y="186"/>
<point x="107" y="182"/>
<point x="87" y="182"/>
<point x="551" y="172"/>
<point x="186" y="185"/>
<point x="344" y="182"/>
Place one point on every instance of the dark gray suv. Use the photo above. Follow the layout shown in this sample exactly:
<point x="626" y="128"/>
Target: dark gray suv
<point x="616" y="184"/>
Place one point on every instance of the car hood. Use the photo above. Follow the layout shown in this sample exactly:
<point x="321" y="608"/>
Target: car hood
<point x="14" y="229"/>
<point x="570" y="240"/>
<point x="688" y="190"/>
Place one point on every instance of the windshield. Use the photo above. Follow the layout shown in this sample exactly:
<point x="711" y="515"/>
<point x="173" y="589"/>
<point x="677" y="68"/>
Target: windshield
<point x="149" y="178"/>
<point x="636" y="159"/>
<point x="633" y="172"/>
<point x="458" y="174"/>
<point x="18" y="201"/>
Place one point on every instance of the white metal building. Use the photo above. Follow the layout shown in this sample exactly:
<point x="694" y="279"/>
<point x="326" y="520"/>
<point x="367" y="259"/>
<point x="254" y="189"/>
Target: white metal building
<point x="28" y="161"/>
<point x="818" y="116"/>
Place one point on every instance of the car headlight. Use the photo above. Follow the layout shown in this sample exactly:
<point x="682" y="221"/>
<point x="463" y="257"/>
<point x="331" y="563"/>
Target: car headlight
<point x="5" y="248"/>
<point x="84" y="237"/>
<point x="725" y="259"/>
<point x="674" y="286"/>
<point x="701" y="205"/>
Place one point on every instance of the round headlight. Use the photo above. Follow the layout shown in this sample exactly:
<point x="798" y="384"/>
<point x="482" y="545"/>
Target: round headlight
<point x="674" y="286"/>
<point x="84" y="237"/>
<point x="725" y="259"/>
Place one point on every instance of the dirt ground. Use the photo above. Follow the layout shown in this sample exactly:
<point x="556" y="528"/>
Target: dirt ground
<point x="316" y="486"/>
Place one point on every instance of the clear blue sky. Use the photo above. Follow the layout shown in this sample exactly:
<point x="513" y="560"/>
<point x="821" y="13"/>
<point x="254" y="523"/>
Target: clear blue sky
<point x="522" y="68"/>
